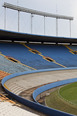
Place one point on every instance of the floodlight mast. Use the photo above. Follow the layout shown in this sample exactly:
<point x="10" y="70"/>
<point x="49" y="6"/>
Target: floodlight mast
<point x="45" y="14"/>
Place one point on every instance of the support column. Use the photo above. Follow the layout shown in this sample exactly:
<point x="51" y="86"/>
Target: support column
<point x="70" y="27"/>
<point x="44" y="25"/>
<point x="31" y="23"/>
<point x="4" y="18"/>
<point x="18" y="20"/>
<point x="17" y="2"/>
<point x="56" y="26"/>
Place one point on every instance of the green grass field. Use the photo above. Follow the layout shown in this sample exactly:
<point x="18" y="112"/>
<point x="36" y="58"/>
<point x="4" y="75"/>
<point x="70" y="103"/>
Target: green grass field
<point x="64" y="99"/>
<point x="69" y="92"/>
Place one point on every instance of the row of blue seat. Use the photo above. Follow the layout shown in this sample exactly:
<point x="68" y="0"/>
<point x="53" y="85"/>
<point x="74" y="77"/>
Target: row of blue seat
<point x="26" y="57"/>
<point x="59" y="53"/>
<point x="73" y="47"/>
<point x="11" y="67"/>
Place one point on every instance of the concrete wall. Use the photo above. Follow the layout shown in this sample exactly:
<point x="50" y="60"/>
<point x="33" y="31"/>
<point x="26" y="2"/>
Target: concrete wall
<point x="35" y="105"/>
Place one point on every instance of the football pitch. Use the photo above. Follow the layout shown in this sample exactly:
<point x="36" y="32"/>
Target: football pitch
<point x="64" y="98"/>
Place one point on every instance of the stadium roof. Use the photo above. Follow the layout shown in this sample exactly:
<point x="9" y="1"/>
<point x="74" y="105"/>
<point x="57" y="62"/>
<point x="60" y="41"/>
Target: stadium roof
<point x="16" y="36"/>
<point x="22" y="9"/>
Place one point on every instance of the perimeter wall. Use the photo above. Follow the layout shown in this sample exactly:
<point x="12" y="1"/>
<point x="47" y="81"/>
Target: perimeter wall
<point x="35" y="105"/>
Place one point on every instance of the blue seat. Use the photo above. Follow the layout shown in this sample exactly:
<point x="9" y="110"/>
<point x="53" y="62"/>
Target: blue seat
<point x="59" y="53"/>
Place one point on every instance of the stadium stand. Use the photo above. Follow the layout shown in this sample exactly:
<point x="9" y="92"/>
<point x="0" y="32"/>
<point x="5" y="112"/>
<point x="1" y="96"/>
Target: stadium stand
<point x="42" y="56"/>
<point x="11" y="67"/>
<point x="16" y="88"/>
<point x="22" y="54"/>
<point x="57" y="52"/>
<point x="8" y="109"/>
<point x="20" y="57"/>
<point x="72" y="49"/>
<point x="30" y="83"/>
<point x="3" y="74"/>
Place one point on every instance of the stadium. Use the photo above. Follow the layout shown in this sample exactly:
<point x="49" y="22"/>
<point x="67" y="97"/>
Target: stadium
<point x="37" y="71"/>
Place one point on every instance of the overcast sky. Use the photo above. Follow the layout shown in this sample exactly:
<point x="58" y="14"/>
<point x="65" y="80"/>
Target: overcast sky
<point x="62" y="7"/>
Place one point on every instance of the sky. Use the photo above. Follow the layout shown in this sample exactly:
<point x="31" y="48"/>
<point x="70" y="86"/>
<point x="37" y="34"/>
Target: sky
<point x="61" y="7"/>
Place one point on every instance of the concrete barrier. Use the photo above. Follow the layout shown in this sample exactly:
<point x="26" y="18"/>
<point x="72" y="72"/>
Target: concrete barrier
<point x="35" y="105"/>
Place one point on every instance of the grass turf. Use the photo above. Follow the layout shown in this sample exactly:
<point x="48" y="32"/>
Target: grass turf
<point x="54" y="100"/>
<point x="69" y="92"/>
